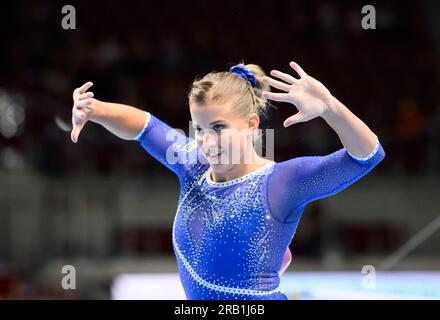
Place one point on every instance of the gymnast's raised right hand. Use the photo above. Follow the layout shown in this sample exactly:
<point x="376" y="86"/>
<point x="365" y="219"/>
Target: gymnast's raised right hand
<point x="82" y="109"/>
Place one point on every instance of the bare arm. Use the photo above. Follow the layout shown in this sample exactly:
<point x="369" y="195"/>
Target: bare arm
<point x="354" y="134"/>
<point x="313" y="99"/>
<point x="123" y="121"/>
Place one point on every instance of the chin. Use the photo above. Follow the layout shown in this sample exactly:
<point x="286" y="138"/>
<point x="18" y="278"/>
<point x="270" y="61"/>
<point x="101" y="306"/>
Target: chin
<point x="221" y="164"/>
<point x="220" y="167"/>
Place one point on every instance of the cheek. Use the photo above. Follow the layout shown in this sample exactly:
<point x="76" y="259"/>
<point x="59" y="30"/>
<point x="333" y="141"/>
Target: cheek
<point x="226" y="140"/>
<point x="199" y="140"/>
<point x="213" y="140"/>
<point x="232" y="140"/>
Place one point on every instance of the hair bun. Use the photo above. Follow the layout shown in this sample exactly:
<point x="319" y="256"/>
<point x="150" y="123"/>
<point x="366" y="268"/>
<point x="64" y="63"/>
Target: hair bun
<point x="241" y="71"/>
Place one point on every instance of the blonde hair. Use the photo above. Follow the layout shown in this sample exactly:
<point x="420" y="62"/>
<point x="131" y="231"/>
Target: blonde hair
<point x="227" y="87"/>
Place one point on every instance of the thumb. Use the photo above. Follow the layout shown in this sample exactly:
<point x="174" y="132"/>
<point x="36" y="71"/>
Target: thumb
<point x="296" y="118"/>
<point x="75" y="132"/>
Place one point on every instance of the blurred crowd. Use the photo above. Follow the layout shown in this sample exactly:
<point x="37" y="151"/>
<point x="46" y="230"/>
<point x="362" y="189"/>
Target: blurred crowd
<point x="147" y="54"/>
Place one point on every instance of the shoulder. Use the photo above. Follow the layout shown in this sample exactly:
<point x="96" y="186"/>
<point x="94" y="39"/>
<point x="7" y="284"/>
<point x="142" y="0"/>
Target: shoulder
<point x="288" y="164"/>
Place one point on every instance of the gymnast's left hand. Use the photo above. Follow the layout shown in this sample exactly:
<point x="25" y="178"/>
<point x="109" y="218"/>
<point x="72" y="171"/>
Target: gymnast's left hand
<point x="310" y="97"/>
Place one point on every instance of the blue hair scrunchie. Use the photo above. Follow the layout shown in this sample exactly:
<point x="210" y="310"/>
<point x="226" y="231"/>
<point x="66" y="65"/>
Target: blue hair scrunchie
<point x="244" y="72"/>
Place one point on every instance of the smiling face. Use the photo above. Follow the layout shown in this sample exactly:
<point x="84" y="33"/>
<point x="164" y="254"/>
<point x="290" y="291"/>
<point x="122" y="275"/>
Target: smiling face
<point x="224" y="136"/>
<point x="225" y="111"/>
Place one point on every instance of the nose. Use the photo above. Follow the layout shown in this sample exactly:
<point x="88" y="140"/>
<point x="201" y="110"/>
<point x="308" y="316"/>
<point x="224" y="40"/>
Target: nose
<point x="209" y="140"/>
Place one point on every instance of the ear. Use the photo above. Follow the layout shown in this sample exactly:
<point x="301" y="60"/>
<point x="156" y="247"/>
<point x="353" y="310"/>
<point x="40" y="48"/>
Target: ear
<point x="254" y="121"/>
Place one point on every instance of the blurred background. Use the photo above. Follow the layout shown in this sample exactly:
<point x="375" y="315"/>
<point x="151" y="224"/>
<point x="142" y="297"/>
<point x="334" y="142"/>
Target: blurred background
<point x="106" y="207"/>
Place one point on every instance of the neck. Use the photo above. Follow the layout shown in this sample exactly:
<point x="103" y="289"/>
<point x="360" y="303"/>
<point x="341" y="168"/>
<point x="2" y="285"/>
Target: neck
<point x="240" y="169"/>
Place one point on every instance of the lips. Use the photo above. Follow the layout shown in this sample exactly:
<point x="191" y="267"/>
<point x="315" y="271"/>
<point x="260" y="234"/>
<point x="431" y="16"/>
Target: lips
<point x="213" y="154"/>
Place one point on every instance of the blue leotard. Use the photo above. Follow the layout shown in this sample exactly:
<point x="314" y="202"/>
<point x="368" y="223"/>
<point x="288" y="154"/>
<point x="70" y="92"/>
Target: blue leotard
<point x="230" y="237"/>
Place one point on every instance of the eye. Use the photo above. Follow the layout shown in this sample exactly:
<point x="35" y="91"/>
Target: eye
<point x="218" y="127"/>
<point x="199" y="130"/>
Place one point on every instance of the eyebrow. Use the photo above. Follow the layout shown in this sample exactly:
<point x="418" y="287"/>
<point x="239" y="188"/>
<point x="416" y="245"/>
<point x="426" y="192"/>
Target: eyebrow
<point x="214" y="122"/>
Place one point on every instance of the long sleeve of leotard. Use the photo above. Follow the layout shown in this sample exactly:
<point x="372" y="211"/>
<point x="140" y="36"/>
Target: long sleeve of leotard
<point x="296" y="182"/>
<point x="170" y="146"/>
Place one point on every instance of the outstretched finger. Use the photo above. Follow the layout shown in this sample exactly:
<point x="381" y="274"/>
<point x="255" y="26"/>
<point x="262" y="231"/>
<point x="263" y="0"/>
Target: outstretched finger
<point x="283" y="97"/>
<point x="296" y="118"/>
<point x="276" y="84"/>
<point x="295" y="66"/>
<point x="86" y="86"/>
<point x="85" y="95"/>
<point x="84" y="103"/>
<point x="284" y="76"/>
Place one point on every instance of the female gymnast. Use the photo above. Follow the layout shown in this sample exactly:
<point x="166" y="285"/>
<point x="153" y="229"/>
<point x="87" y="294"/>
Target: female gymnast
<point x="236" y="219"/>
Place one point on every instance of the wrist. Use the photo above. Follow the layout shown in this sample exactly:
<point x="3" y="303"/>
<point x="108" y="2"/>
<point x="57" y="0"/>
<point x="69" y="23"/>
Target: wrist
<point x="331" y="108"/>
<point x="99" y="111"/>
